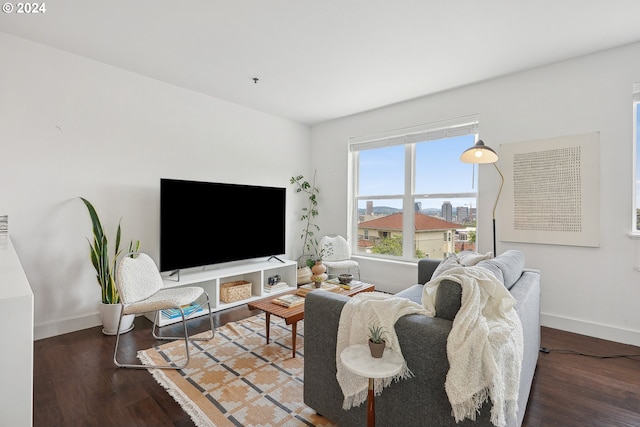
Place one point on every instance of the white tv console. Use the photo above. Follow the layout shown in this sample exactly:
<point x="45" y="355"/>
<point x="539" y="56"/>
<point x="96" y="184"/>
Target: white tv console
<point x="211" y="278"/>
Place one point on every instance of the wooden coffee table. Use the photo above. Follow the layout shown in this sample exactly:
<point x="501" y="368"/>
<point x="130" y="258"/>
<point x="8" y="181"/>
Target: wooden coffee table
<point x="292" y="315"/>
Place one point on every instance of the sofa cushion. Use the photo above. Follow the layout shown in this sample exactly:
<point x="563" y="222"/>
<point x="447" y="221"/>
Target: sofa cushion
<point x="492" y="267"/>
<point x="413" y="293"/>
<point x="507" y="267"/>
<point x="469" y="258"/>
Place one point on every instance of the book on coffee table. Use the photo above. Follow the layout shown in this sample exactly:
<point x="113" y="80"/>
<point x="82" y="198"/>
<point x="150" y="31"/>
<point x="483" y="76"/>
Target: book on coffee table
<point x="289" y="300"/>
<point x="305" y="289"/>
<point x="354" y="284"/>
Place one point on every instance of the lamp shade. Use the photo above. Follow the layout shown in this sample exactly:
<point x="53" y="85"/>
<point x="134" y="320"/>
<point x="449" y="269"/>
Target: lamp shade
<point x="479" y="153"/>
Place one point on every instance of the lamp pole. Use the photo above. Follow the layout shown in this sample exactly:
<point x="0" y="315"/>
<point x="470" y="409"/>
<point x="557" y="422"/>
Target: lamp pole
<point x="479" y="154"/>
<point x="495" y="205"/>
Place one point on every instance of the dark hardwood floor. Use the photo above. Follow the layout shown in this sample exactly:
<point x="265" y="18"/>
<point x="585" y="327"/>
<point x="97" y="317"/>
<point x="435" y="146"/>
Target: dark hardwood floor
<point x="577" y="390"/>
<point x="76" y="383"/>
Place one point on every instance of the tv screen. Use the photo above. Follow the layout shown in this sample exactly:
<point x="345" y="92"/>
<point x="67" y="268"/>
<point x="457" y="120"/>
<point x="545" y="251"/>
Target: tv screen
<point x="203" y="223"/>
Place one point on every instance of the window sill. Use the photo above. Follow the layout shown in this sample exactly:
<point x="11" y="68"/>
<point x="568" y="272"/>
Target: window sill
<point x="361" y="258"/>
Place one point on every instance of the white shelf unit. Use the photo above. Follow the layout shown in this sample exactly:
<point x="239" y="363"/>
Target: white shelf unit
<point x="16" y="361"/>
<point x="211" y="278"/>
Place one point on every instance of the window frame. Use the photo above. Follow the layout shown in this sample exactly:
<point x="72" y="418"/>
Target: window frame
<point x="636" y="149"/>
<point x="409" y="138"/>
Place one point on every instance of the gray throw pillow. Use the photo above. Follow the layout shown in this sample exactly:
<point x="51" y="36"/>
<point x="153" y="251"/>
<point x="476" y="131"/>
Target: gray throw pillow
<point x="507" y="266"/>
<point x="492" y="267"/>
<point x="469" y="258"/>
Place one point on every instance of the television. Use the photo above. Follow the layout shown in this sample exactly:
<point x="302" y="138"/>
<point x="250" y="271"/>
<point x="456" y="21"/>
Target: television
<point x="204" y="223"/>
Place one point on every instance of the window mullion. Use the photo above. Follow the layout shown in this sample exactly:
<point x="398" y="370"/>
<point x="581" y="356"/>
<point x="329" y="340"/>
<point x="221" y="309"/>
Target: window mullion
<point x="407" y="201"/>
<point x="355" y="174"/>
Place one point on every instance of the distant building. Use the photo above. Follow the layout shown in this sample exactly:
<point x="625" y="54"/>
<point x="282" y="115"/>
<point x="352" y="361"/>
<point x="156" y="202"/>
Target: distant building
<point x="433" y="236"/>
<point x="463" y="240"/>
<point x="447" y="211"/>
<point x="462" y="214"/>
<point x="369" y="207"/>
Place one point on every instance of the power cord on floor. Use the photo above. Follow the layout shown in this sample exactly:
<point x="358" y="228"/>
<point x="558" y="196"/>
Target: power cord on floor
<point x="595" y="356"/>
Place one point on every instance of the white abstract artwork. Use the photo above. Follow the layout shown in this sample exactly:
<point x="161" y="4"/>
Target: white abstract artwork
<point x="551" y="192"/>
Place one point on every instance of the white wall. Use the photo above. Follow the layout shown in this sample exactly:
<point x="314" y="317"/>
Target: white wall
<point x="73" y="127"/>
<point x="593" y="291"/>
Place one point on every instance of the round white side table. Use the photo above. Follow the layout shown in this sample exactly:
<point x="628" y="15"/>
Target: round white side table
<point x="357" y="359"/>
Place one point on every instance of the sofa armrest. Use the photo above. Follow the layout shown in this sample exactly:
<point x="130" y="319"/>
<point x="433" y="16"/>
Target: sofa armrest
<point x="426" y="267"/>
<point x="321" y="318"/>
<point x="423" y="342"/>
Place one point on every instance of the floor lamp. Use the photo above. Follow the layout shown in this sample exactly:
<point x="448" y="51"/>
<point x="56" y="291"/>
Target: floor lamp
<point x="478" y="154"/>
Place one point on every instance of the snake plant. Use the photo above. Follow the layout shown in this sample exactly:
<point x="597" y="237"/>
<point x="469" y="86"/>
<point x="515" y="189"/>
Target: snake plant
<point x="99" y="252"/>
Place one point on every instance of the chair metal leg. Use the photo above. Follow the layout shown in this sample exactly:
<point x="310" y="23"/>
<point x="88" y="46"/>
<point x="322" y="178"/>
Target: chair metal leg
<point x="185" y="337"/>
<point x="164" y="337"/>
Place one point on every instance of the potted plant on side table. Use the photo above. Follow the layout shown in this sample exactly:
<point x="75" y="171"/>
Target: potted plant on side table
<point x="376" y="342"/>
<point x="105" y="270"/>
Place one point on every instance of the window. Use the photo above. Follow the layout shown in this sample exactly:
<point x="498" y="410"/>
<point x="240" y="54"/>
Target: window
<point x="414" y="170"/>
<point x="636" y="139"/>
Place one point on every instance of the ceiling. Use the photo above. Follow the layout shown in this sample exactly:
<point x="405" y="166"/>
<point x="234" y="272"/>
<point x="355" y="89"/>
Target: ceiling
<point x="317" y="60"/>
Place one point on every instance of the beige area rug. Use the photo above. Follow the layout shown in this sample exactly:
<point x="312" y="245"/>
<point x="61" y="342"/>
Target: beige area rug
<point x="236" y="379"/>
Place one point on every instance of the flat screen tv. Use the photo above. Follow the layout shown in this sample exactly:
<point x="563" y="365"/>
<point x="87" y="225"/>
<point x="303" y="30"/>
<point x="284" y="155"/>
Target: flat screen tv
<point x="203" y="223"/>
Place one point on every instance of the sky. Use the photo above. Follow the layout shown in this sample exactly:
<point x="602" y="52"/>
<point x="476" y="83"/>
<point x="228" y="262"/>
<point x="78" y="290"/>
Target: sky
<point x="438" y="170"/>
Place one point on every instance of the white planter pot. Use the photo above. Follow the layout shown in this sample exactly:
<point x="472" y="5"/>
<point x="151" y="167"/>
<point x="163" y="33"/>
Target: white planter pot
<point x="110" y="313"/>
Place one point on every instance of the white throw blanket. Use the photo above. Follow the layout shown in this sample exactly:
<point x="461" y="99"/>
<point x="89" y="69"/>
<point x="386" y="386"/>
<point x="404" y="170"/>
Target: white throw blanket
<point x="484" y="347"/>
<point x="360" y="312"/>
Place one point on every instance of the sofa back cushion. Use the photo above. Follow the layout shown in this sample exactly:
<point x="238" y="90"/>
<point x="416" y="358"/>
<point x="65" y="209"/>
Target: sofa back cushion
<point x="507" y="267"/>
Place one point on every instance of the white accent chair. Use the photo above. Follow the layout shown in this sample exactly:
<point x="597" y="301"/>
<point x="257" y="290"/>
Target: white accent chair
<point x="340" y="255"/>
<point x="141" y="291"/>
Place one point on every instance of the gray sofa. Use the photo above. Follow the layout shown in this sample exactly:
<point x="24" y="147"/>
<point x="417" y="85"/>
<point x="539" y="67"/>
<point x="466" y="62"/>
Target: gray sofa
<point x="422" y="400"/>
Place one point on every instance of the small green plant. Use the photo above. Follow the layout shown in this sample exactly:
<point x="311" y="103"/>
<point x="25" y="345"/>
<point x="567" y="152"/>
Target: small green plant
<point x="325" y="251"/>
<point x="376" y="333"/>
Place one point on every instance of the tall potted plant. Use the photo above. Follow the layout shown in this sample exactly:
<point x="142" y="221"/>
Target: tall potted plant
<point x="308" y="236"/>
<point x="105" y="270"/>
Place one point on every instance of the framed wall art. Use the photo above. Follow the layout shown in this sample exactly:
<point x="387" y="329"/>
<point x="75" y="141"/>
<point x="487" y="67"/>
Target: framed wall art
<point x="551" y="192"/>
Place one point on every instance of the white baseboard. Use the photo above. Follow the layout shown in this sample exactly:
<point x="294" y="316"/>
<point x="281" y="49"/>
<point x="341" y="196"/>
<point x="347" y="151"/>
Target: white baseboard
<point x="64" y="326"/>
<point x="606" y="332"/>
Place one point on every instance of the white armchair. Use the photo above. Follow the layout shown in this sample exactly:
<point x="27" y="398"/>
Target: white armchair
<point x="141" y="290"/>
<point x="339" y="257"/>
